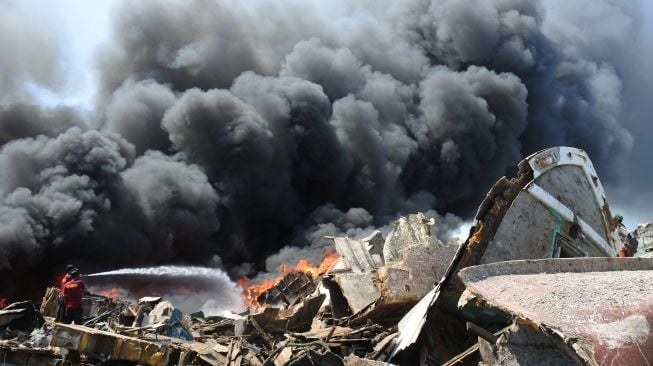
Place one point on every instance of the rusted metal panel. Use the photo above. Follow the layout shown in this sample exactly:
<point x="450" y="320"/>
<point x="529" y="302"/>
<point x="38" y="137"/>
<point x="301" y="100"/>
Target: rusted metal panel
<point x="560" y="212"/>
<point x="538" y="215"/>
<point x="557" y="157"/>
<point x="294" y="317"/>
<point x="109" y="345"/>
<point x="601" y="308"/>
<point x="293" y="285"/>
<point x="533" y="215"/>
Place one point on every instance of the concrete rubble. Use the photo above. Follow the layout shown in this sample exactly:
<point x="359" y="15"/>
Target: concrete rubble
<point x="513" y="293"/>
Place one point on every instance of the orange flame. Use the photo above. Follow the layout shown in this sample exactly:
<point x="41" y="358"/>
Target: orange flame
<point x="3" y="303"/>
<point x="59" y="278"/>
<point x="113" y="294"/>
<point x="328" y="260"/>
<point x="253" y="291"/>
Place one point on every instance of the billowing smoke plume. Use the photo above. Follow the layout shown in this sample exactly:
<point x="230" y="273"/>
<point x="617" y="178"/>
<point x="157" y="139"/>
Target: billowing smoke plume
<point x="225" y="131"/>
<point x="135" y="111"/>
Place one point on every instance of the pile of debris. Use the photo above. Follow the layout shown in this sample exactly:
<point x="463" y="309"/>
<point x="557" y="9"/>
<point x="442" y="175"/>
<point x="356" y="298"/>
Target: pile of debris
<point x="510" y="294"/>
<point x="346" y="316"/>
<point x="644" y="235"/>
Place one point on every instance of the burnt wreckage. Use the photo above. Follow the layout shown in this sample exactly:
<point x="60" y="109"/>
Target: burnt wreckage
<point x="535" y="282"/>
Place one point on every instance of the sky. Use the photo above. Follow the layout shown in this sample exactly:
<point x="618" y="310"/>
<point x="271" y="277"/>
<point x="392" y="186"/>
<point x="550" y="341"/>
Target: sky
<point x="638" y="210"/>
<point x="82" y="26"/>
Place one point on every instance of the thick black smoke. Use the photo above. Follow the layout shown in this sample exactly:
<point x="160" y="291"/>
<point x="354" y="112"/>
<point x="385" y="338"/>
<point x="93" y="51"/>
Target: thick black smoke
<point x="135" y="111"/>
<point x="225" y="131"/>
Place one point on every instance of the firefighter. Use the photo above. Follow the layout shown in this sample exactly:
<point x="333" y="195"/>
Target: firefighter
<point x="629" y="243"/>
<point x="69" y="269"/>
<point x="72" y="292"/>
<point x="62" y="304"/>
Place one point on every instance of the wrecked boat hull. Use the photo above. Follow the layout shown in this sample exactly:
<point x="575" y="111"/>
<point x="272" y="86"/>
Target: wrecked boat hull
<point x="599" y="309"/>
<point x="554" y="207"/>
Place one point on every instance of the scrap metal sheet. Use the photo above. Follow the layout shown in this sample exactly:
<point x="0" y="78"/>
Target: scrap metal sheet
<point x="601" y="307"/>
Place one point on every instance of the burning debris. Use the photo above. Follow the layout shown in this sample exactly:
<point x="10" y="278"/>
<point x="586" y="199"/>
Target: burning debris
<point x="293" y="282"/>
<point x="293" y="285"/>
<point x="406" y="298"/>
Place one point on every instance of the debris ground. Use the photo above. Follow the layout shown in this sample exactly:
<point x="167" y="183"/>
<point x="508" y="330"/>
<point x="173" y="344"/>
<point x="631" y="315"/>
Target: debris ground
<point x="406" y="298"/>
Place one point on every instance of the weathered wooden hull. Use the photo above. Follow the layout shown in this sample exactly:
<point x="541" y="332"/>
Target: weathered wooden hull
<point x="600" y="309"/>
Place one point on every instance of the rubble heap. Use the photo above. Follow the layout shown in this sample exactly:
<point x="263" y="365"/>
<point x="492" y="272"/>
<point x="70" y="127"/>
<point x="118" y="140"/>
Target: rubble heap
<point x="406" y="299"/>
<point x="381" y="279"/>
<point x="644" y="235"/>
<point x="345" y="316"/>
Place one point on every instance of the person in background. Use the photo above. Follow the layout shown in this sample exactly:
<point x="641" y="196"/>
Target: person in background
<point x="62" y="304"/>
<point x="72" y="292"/>
<point x="629" y="243"/>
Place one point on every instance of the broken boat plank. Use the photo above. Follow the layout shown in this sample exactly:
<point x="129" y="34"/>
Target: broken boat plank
<point x="119" y="347"/>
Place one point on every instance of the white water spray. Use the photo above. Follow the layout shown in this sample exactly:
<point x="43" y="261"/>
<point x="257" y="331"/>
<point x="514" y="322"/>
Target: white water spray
<point x="212" y="290"/>
<point x="171" y="271"/>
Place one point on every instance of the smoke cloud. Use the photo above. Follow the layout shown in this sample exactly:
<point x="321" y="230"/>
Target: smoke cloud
<point x="239" y="135"/>
<point x="32" y="58"/>
<point x="30" y="53"/>
<point x="135" y="112"/>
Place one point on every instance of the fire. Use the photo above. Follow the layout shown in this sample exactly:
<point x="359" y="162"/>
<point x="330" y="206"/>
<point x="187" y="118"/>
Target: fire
<point x="59" y="278"/>
<point x="113" y="294"/>
<point x="252" y="291"/>
<point x="329" y="259"/>
<point x="3" y="303"/>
